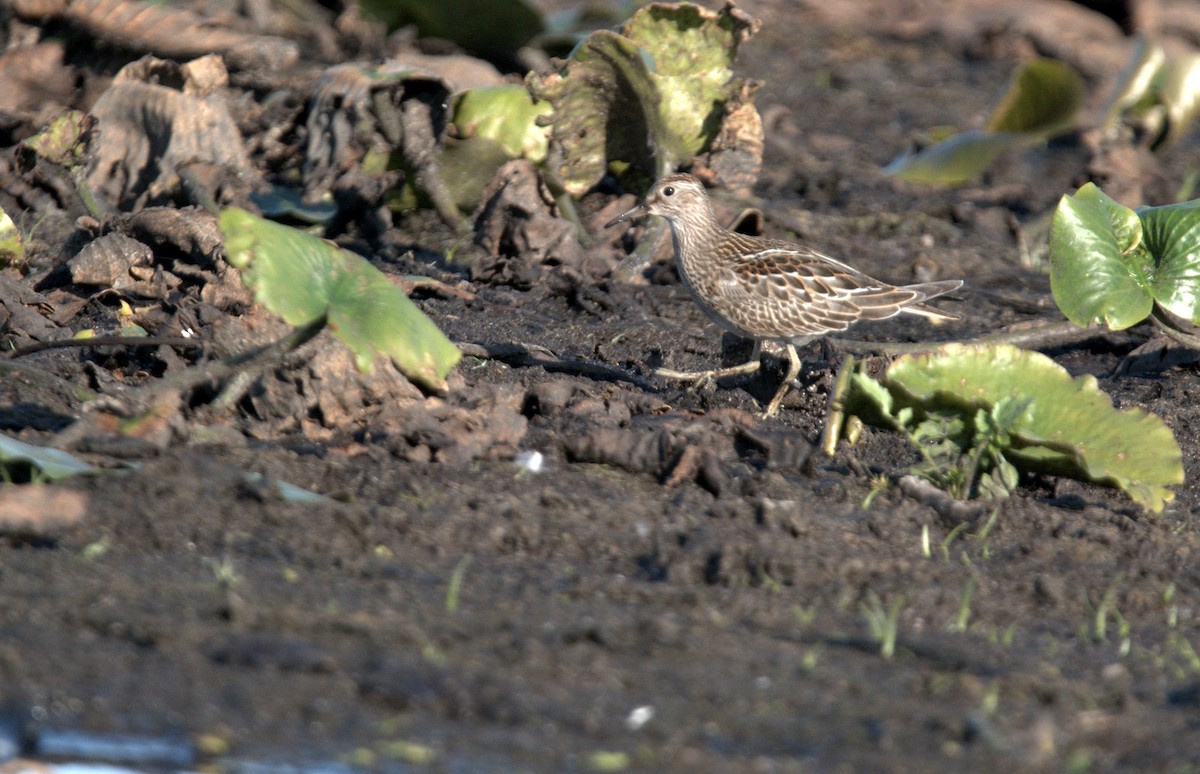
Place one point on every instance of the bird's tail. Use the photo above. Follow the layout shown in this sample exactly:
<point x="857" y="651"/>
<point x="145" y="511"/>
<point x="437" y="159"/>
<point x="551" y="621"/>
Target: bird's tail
<point x="927" y="291"/>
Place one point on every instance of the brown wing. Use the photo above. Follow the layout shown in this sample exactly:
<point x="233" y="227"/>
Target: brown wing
<point x="784" y="292"/>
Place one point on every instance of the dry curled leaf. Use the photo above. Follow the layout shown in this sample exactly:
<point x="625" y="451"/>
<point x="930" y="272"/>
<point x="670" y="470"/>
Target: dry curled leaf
<point x="152" y="134"/>
<point x="107" y="261"/>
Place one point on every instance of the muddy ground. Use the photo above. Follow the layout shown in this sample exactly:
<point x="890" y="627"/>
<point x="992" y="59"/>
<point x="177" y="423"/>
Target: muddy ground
<point x="682" y="586"/>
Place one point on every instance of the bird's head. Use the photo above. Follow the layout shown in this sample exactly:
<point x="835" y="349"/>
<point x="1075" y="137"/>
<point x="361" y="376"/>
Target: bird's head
<point x="674" y="197"/>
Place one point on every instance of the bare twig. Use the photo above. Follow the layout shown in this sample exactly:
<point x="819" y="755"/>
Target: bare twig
<point x="105" y="341"/>
<point x="156" y="393"/>
<point x="1047" y="334"/>
<point x="952" y="511"/>
<point x="528" y="355"/>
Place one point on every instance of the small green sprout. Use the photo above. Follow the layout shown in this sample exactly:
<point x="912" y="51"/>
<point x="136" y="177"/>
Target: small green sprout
<point x="963" y="619"/>
<point x="454" y="590"/>
<point x="883" y="621"/>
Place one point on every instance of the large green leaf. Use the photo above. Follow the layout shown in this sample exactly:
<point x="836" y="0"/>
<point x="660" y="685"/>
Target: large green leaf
<point x="650" y="97"/>
<point x="300" y="278"/>
<point x="1160" y="93"/>
<point x="1099" y="269"/>
<point x="505" y="114"/>
<point x="1041" y="102"/>
<point x="1110" y="263"/>
<point x="1070" y="425"/>
<point x="692" y="50"/>
<point x="1136" y="82"/>
<point x="1043" y="99"/>
<point x="1180" y="95"/>
<point x="605" y="108"/>
<point x="50" y="463"/>
<point x="956" y="159"/>
<point x="1172" y="238"/>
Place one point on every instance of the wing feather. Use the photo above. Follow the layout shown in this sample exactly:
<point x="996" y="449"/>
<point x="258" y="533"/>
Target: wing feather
<point x="781" y="292"/>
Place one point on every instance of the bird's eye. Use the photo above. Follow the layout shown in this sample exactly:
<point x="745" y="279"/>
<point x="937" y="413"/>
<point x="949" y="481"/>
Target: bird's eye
<point x="669" y="191"/>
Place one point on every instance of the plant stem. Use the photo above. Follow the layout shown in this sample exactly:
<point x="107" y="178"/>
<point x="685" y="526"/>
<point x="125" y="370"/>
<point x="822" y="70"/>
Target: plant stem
<point x="94" y="207"/>
<point x="1174" y="330"/>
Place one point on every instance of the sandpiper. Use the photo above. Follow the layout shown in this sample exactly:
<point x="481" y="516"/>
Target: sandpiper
<point x="769" y="289"/>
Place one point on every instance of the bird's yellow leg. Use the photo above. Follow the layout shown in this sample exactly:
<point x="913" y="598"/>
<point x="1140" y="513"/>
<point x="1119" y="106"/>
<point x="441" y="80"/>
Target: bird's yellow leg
<point x="749" y="367"/>
<point x="793" y="372"/>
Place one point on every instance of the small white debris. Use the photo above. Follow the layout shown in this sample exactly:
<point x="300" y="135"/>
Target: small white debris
<point x="639" y="717"/>
<point x="530" y="461"/>
<point x="187" y="333"/>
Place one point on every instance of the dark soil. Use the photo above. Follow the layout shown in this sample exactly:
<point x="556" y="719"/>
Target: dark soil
<point x="675" y="552"/>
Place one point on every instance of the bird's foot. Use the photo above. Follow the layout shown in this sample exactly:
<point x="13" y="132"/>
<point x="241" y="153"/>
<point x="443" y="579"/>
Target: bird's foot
<point x="788" y="380"/>
<point x="773" y="407"/>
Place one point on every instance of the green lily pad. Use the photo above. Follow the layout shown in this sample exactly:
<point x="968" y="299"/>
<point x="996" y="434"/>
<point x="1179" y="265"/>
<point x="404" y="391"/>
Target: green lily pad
<point x="1161" y="93"/>
<point x="1137" y="82"/>
<point x="1069" y="426"/>
<point x="51" y="464"/>
<point x="691" y="51"/>
<point x="605" y="78"/>
<point x="1180" y="94"/>
<point x="300" y="278"/>
<point x="1172" y="248"/>
<point x="465" y="168"/>
<point x="957" y="159"/>
<point x="491" y="126"/>
<point x="1097" y="267"/>
<point x="1112" y="264"/>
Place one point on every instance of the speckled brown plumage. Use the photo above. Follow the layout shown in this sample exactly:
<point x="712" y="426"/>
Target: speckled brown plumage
<point x="769" y="289"/>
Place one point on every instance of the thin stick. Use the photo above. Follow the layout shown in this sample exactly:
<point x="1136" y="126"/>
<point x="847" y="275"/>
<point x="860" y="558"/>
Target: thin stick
<point x="532" y="355"/>
<point x="1049" y="334"/>
<point x="105" y="341"/>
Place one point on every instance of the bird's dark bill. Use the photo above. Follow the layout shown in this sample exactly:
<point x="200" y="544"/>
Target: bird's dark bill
<point x="632" y="212"/>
